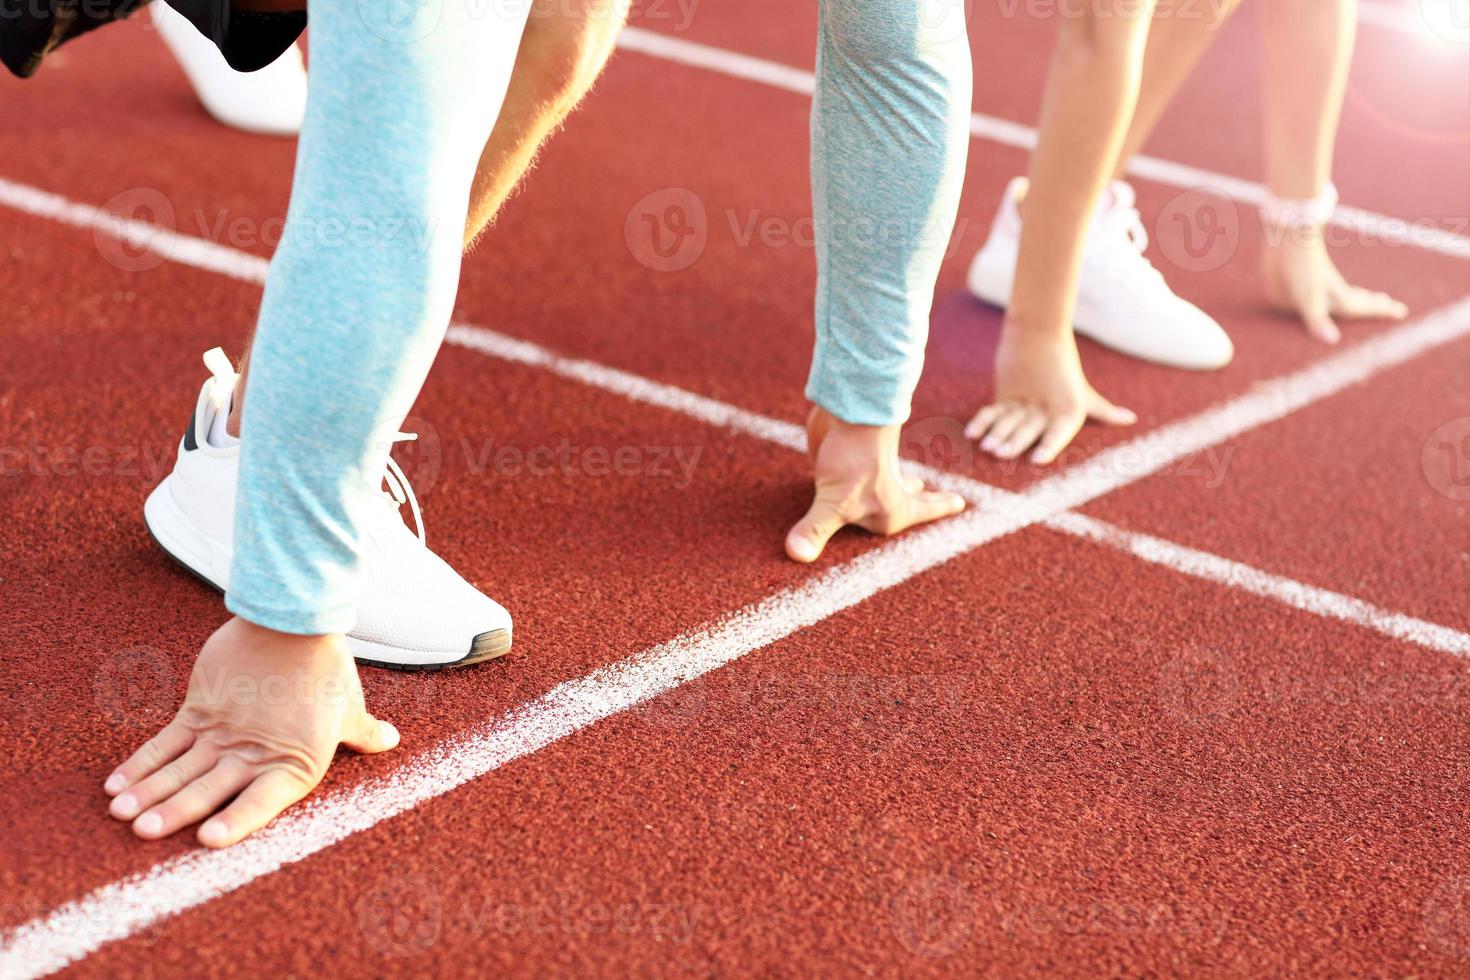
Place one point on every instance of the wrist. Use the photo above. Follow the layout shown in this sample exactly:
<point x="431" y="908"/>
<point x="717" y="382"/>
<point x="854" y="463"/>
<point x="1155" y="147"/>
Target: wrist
<point x="1034" y="330"/>
<point x="294" y="647"/>
<point x="1300" y="214"/>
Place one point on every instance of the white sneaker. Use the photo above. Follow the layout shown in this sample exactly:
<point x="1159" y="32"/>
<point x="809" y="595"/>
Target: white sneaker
<point x="416" y="612"/>
<point x="1122" y="300"/>
<point x="271" y="101"/>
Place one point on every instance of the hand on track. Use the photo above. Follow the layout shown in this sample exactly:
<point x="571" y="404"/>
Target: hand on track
<point x="261" y="721"/>
<point x="858" y="481"/>
<point x="1302" y="279"/>
<point x="1042" y="398"/>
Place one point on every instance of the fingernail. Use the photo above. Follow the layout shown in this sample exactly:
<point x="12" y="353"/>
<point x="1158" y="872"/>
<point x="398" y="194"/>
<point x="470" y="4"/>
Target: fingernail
<point x="149" y="824"/>
<point x="115" y="783"/>
<point x="125" y="806"/>
<point x="802" y="549"/>
<point x="213" y="832"/>
<point x="390" y="733"/>
<point x="989" y="445"/>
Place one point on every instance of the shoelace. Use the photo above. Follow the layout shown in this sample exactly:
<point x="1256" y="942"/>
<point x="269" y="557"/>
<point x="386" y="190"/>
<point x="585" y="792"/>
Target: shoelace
<point x="399" y="489"/>
<point x="1125" y="224"/>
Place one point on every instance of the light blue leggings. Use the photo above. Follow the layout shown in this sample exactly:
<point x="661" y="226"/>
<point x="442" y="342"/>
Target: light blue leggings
<point x="403" y="97"/>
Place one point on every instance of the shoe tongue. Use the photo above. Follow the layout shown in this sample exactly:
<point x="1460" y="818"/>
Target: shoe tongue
<point x="222" y="370"/>
<point x="1119" y="196"/>
<point x="221" y="394"/>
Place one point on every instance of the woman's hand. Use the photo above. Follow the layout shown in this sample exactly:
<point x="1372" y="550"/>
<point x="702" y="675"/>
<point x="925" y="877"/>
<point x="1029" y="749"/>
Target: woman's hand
<point x="1042" y="398"/>
<point x="1302" y="279"/>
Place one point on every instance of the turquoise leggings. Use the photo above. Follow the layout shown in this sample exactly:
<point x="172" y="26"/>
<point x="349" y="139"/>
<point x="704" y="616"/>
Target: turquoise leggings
<point x="360" y="291"/>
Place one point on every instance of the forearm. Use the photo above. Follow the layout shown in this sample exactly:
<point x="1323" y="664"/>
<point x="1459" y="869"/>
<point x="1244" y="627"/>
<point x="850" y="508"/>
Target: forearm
<point x="1091" y="90"/>
<point x="1306" y="47"/>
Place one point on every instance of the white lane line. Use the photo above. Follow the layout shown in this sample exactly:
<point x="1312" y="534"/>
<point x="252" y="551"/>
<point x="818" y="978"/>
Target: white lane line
<point x="1298" y="595"/>
<point x="126" y="907"/>
<point x="240" y="265"/>
<point x="137" y="235"/>
<point x="132" y="904"/>
<point x="121" y="909"/>
<point x="1190" y="561"/>
<point x="631" y="386"/>
<point x="1423" y="233"/>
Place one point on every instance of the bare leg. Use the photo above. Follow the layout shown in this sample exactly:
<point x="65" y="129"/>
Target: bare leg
<point x="1178" y="37"/>
<point x="565" y="45"/>
<point x="1306" y="47"/>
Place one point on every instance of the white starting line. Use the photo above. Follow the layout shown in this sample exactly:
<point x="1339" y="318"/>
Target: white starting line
<point x="132" y="904"/>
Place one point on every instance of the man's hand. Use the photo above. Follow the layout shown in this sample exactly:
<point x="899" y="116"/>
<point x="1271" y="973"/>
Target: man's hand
<point x="1302" y="279"/>
<point x="263" y="716"/>
<point x="859" y="482"/>
<point x="1040" y="394"/>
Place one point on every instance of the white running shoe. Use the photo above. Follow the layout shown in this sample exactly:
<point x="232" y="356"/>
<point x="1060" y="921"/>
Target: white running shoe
<point x="1122" y="300"/>
<point x="416" y="613"/>
<point x="271" y="101"/>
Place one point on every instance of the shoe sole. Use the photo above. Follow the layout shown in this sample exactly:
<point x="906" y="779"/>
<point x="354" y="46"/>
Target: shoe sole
<point x="159" y="510"/>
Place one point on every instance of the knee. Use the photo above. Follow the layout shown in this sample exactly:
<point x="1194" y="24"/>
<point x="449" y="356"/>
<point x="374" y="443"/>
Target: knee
<point x="566" y="44"/>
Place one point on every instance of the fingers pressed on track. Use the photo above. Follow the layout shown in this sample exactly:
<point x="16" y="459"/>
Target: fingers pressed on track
<point x="1001" y="429"/>
<point x="1320" y="324"/>
<point x="373" y="735"/>
<point x="983" y="419"/>
<point x="1104" y="411"/>
<point x="195" y="801"/>
<point x="1360" y="303"/>
<point x="164" y="782"/>
<point x="1030" y="429"/>
<point x="158" y="751"/>
<point x="1058" y="436"/>
<point x="806" y="540"/>
<point x="931" y="505"/>
<point x="257" y="805"/>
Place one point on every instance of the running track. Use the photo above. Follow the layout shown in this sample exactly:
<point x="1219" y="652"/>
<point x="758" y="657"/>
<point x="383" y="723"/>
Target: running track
<point x="1195" y="703"/>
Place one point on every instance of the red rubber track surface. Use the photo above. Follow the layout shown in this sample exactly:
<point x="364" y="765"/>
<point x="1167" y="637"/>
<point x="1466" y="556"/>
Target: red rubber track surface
<point x="1044" y="757"/>
<point x="1081" y="782"/>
